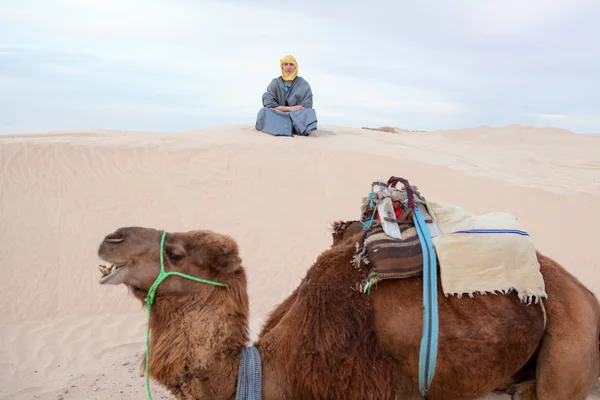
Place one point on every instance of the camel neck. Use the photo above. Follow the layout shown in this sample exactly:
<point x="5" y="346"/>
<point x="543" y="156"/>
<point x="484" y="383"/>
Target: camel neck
<point x="196" y="348"/>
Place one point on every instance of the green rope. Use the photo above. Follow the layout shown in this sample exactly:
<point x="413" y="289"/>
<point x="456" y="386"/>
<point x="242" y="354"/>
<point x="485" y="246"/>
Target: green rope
<point x="370" y="283"/>
<point x="150" y="299"/>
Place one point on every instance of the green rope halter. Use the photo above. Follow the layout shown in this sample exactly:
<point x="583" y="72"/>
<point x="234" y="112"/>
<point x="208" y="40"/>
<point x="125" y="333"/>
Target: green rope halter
<point x="150" y="299"/>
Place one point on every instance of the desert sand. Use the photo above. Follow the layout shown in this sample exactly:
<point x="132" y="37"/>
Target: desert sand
<point x="65" y="336"/>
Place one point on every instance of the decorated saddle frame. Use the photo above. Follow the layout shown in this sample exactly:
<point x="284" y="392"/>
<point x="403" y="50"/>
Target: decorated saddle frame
<point x="390" y="247"/>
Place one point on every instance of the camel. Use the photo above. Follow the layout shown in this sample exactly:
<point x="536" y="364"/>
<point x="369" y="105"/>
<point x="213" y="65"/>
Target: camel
<point x="328" y="340"/>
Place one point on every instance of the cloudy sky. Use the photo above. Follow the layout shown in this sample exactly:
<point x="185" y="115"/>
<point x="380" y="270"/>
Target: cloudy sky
<point x="186" y="64"/>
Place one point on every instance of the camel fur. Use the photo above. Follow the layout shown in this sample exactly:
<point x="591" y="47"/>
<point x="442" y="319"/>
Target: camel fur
<point x="327" y="340"/>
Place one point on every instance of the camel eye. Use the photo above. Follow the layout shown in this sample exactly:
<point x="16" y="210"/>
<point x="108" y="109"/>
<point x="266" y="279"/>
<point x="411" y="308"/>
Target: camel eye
<point x="172" y="256"/>
<point x="174" y="253"/>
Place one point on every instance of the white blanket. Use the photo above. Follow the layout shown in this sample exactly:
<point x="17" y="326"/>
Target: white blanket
<point x="486" y="253"/>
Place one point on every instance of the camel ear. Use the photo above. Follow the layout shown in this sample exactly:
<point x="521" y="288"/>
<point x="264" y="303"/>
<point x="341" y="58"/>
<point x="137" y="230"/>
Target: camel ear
<point x="337" y="225"/>
<point x="229" y="263"/>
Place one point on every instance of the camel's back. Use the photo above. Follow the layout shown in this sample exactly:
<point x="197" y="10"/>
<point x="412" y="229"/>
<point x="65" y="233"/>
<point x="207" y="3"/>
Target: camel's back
<point x="327" y="323"/>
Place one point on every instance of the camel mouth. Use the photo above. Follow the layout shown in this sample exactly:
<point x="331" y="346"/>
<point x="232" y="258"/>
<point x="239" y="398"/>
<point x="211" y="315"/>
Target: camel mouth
<point x="112" y="275"/>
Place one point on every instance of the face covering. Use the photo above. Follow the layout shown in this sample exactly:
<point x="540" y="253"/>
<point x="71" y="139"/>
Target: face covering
<point x="289" y="59"/>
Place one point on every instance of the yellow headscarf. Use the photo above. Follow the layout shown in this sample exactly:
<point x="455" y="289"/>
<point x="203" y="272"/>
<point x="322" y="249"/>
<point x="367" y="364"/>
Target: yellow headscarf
<point x="292" y="60"/>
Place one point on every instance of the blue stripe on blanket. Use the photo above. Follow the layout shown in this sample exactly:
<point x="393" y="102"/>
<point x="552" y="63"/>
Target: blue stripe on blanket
<point x="514" y="231"/>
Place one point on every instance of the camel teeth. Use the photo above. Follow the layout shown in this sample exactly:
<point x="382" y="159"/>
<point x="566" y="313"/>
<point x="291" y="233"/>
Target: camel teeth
<point x="107" y="270"/>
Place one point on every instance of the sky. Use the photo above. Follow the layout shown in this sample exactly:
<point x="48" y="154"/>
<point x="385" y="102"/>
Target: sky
<point x="176" y="65"/>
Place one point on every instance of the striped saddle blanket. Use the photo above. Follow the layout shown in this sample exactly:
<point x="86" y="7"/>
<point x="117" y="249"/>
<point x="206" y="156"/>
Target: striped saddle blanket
<point x="379" y="256"/>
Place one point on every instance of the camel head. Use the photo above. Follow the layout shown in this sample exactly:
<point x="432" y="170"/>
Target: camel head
<point x="342" y="230"/>
<point x="134" y="255"/>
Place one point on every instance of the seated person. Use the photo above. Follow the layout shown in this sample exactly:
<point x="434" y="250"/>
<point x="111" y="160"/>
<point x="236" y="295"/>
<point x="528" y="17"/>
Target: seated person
<point x="287" y="104"/>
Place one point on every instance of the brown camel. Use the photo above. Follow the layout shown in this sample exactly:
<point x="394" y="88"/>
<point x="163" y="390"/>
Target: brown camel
<point x="328" y="340"/>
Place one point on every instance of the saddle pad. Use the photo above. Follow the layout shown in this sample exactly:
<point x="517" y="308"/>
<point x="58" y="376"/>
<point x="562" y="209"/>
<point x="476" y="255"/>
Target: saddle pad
<point x="485" y="253"/>
<point x="380" y="256"/>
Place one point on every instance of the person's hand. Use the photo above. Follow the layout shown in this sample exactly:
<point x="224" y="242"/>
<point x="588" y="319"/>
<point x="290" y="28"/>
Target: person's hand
<point x="287" y="109"/>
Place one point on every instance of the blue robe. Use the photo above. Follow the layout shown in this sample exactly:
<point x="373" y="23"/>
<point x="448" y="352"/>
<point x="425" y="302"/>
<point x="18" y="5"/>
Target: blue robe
<point x="287" y="123"/>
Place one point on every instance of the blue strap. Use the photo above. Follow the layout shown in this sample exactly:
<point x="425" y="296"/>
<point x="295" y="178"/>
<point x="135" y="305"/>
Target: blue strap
<point x="429" y="340"/>
<point x="249" y="382"/>
<point x="369" y="219"/>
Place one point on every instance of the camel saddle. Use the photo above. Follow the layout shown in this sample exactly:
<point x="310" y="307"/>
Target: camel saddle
<point x="397" y="243"/>
<point x="390" y="247"/>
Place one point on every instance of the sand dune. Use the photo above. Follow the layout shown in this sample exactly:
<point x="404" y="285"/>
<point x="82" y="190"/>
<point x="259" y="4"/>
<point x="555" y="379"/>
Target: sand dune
<point x="61" y="192"/>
